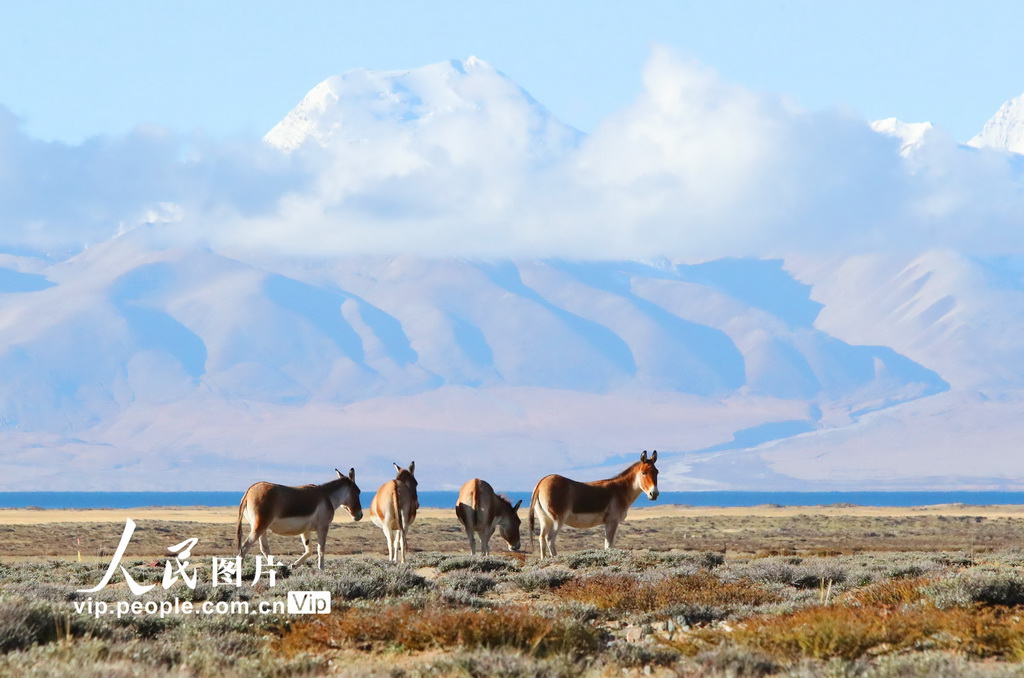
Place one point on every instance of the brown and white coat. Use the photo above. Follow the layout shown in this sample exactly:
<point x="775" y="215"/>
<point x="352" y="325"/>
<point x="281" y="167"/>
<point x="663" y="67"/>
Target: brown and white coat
<point x="481" y="511"/>
<point x="302" y="511"/>
<point x="559" y="501"/>
<point x="394" y="508"/>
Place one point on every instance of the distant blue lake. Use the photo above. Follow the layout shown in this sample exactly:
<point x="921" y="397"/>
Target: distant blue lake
<point x="440" y="499"/>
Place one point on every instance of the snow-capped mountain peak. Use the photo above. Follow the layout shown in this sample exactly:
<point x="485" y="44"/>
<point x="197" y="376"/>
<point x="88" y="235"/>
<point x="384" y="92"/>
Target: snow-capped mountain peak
<point x="1005" y="129"/>
<point x="361" y="104"/>
<point x="910" y="133"/>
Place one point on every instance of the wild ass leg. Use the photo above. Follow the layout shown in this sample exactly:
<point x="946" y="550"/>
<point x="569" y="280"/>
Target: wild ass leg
<point x="264" y="544"/>
<point x="402" y="543"/>
<point x="548" y="532"/>
<point x="485" y="541"/>
<point x="388" y="534"/>
<point x="321" y="545"/>
<point x="542" y="538"/>
<point x="466" y="518"/>
<point x="609" y="533"/>
<point x="249" y="542"/>
<point x="549" y="527"/>
<point x="307" y="549"/>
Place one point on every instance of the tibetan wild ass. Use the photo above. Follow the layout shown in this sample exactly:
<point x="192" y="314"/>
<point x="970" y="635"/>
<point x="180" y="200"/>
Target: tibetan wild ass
<point x="480" y="511"/>
<point x="296" y="510"/>
<point x="559" y="501"/>
<point x="394" y="509"/>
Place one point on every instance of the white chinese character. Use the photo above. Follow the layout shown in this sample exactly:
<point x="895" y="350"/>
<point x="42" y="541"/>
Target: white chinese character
<point x="268" y="565"/>
<point x="227" y="571"/>
<point x="136" y="588"/>
<point x="183" y="551"/>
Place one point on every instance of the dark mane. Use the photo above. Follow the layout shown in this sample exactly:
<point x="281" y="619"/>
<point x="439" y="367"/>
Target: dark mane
<point x="330" y="484"/>
<point x="630" y="469"/>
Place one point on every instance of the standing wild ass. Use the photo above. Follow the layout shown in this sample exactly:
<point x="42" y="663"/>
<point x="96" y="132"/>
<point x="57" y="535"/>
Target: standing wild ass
<point x="394" y="509"/>
<point x="559" y="501"/>
<point x="296" y="510"/>
<point x="480" y="511"/>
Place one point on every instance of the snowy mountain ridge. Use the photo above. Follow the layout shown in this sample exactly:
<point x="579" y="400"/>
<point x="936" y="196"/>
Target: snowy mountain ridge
<point x="149" y="360"/>
<point x="360" y="104"/>
<point x="1005" y="129"/>
<point x="194" y="331"/>
<point x="911" y="134"/>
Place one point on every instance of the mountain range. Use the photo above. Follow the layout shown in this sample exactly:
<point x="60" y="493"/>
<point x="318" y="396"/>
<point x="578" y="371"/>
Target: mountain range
<point x="147" y="361"/>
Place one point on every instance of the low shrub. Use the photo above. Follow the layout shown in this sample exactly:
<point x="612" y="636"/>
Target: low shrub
<point x="595" y="558"/>
<point x="546" y="578"/>
<point x="476" y="563"/>
<point x="891" y="593"/>
<point x="359" y="578"/>
<point x="1000" y="587"/>
<point x="979" y="586"/>
<point x="636" y="655"/>
<point x="509" y="663"/>
<point x="691" y="562"/>
<point x="441" y="627"/>
<point x="796" y="572"/>
<point x="735" y="663"/>
<point x="932" y="663"/>
<point x="849" y="633"/>
<point x="468" y="582"/>
<point x="24" y="623"/>
<point x="631" y="594"/>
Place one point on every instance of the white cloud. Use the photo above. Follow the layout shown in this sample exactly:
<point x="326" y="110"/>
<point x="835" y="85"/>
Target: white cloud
<point x="56" y="198"/>
<point x="695" y="168"/>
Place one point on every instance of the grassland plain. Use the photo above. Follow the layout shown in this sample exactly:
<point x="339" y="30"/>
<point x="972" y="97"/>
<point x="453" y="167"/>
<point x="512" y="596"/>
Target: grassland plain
<point x="811" y="591"/>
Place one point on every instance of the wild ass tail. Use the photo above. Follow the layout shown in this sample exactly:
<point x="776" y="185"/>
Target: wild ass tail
<point x="238" y="529"/>
<point x="398" y="506"/>
<point x="533" y="504"/>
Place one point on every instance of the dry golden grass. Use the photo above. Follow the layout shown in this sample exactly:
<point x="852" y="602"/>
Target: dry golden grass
<point x="891" y="592"/>
<point x="590" y="613"/>
<point x="946" y="586"/>
<point x="640" y="512"/>
<point x="431" y="627"/>
<point x="855" y="632"/>
<point x="625" y="593"/>
<point x="822" y="530"/>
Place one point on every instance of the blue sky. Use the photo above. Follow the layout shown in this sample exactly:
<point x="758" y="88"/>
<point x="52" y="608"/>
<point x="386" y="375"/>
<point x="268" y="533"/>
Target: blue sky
<point x="74" y="70"/>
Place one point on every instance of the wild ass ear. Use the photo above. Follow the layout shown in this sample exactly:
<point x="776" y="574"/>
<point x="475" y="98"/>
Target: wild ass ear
<point x="518" y="504"/>
<point x="352" y="474"/>
<point x="397" y="467"/>
<point x="339" y="473"/>
<point x="412" y="467"/>
<point x="643" y="456"/>
<point x="654" y="456"/>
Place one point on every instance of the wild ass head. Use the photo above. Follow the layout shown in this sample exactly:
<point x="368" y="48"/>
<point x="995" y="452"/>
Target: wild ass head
<point x="350" y="499"/>
<point x="647" y="475"/>
<point x="406" y="475"/>
<point x="508" y="523"/>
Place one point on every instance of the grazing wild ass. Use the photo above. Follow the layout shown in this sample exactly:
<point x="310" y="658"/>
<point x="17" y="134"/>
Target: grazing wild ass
<point x="559" y="501"/>
<point x="394" y="508"/>
<point x="304" y="511"/>
<point x="480" y="511"/>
